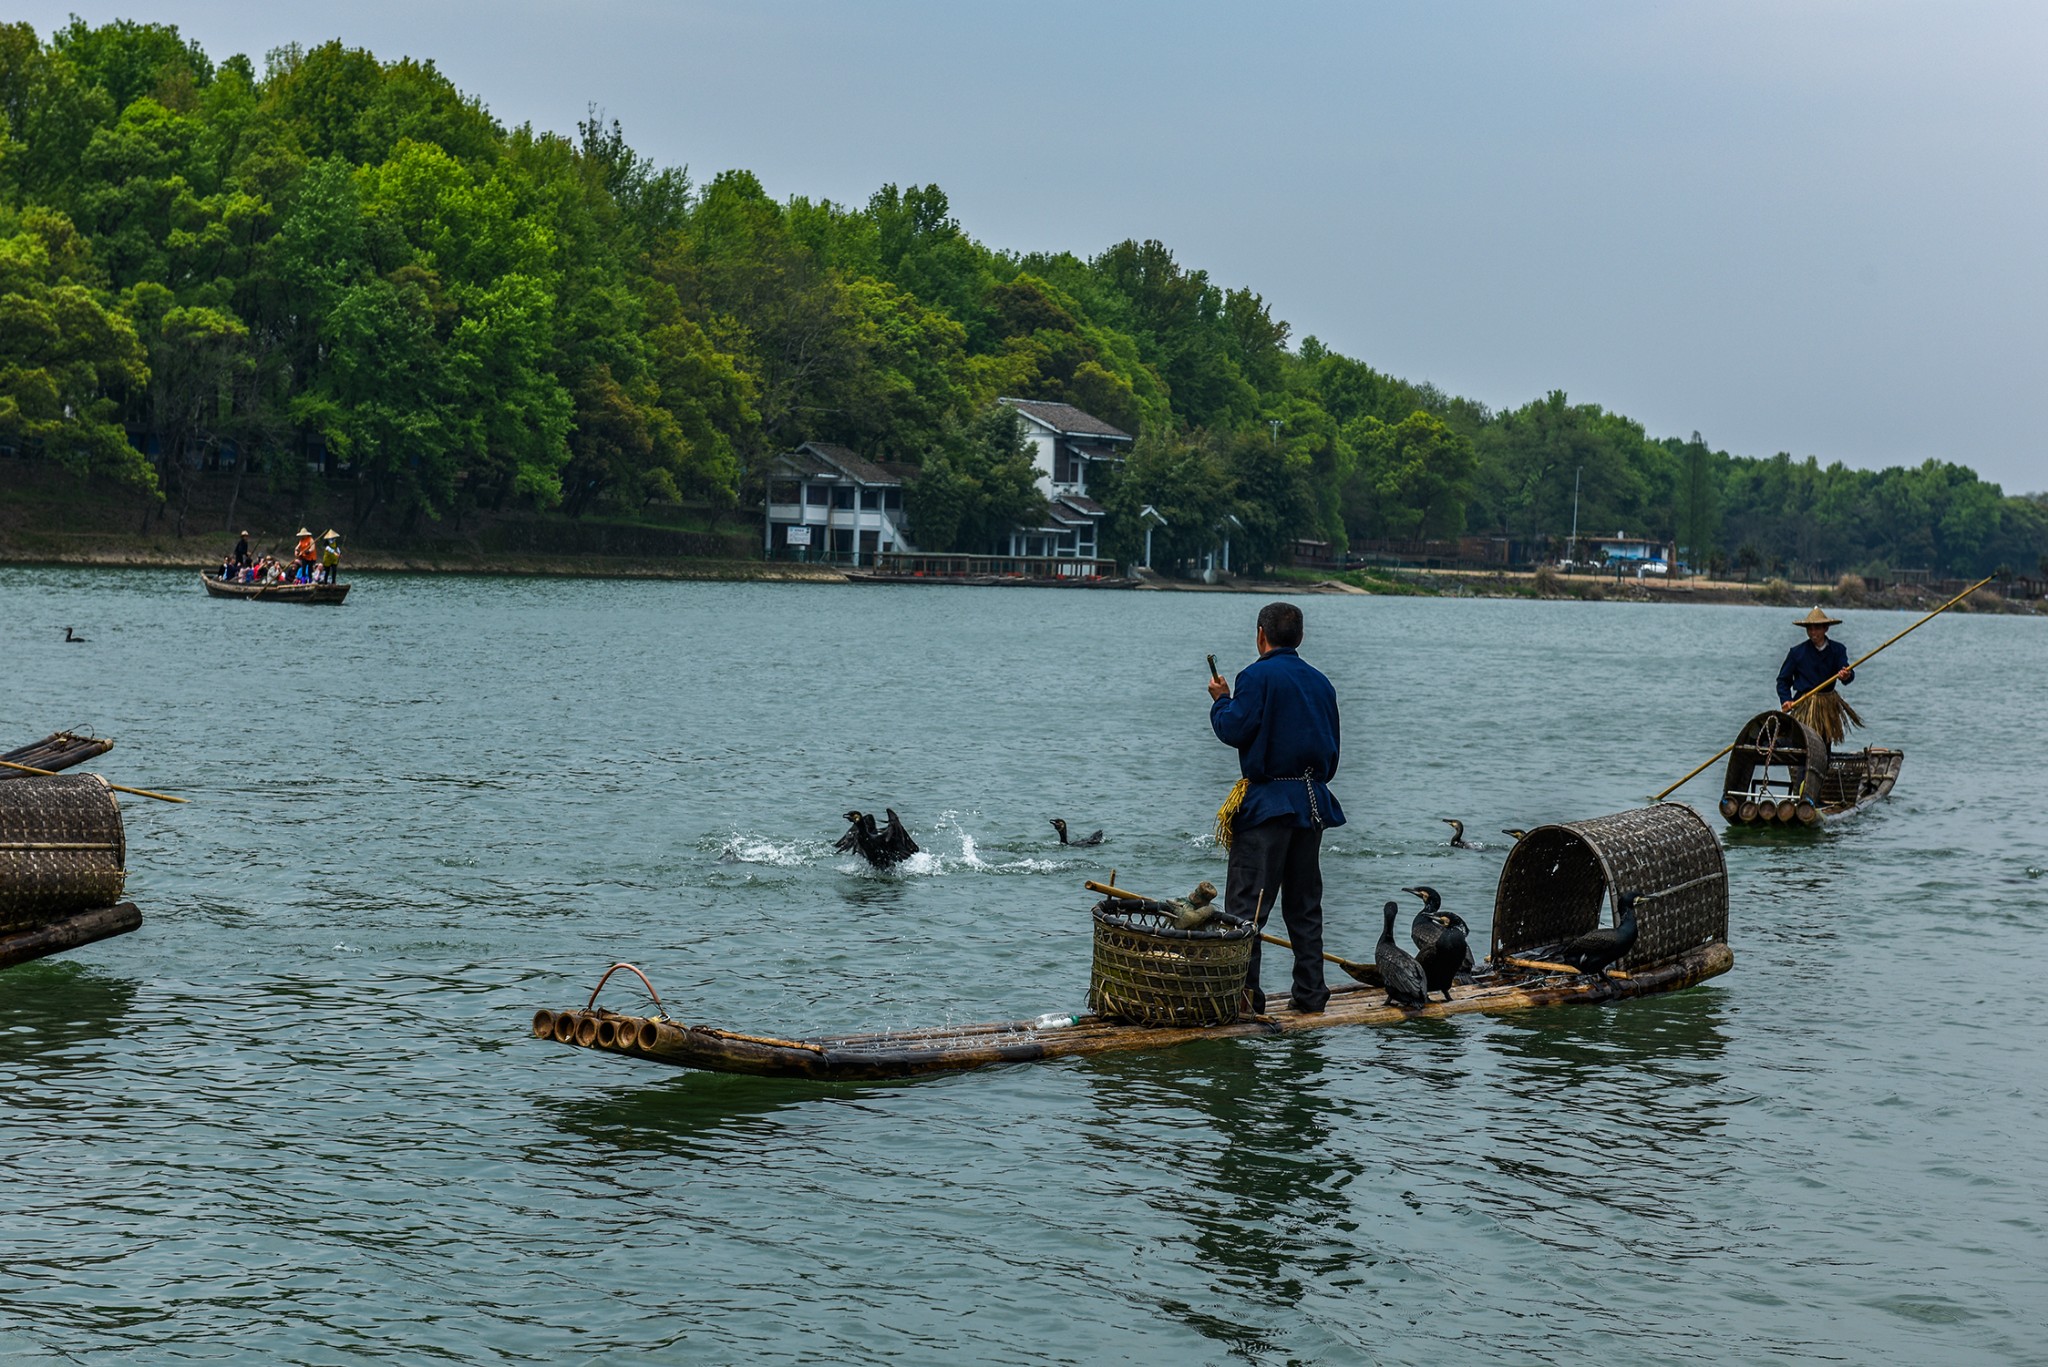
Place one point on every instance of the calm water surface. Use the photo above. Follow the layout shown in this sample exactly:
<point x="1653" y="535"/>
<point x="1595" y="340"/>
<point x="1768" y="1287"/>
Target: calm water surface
<point x="297" y="1117"/>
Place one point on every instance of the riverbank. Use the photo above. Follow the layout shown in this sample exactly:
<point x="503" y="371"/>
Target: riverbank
<point x="48" y="517"/>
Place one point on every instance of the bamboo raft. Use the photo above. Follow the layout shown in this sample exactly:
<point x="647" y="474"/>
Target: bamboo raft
<point x="1553" y="887"/>
<point x="58" y="750"/>
<point x="1782" y="773"/>
<point x="275" y="593"/>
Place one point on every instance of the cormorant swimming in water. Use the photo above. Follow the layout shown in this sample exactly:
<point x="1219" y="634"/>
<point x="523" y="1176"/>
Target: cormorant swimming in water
<point x="1406" y="987"/>
<point x="883" y="847"/>
<point x="1430" y="924"/>
<point x="1061" y="827"/>
<point x="1457" y="833"/>
<point x="75" y="640"/>
<point x="1515" y="831"/>
<point x="1594" y="951"/>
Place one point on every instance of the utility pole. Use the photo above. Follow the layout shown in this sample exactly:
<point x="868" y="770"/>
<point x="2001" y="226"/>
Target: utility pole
<point x="1573" y="554"/>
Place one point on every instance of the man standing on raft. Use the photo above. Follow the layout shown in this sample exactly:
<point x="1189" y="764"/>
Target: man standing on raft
<point x="1283" y="724"/>
<point x="1814" y="661"/>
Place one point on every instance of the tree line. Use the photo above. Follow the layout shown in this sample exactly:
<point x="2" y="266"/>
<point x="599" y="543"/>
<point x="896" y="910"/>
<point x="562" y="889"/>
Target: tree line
<point x="346" y="262"/>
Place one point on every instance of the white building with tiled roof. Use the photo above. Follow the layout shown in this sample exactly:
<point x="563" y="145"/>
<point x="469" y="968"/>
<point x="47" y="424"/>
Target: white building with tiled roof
<point x="1070" y="448"/>
<point x="827" y="503"/>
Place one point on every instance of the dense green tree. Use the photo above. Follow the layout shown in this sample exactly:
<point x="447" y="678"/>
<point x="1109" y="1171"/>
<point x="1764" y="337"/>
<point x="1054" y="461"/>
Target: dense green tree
<point x="977" y="486"/>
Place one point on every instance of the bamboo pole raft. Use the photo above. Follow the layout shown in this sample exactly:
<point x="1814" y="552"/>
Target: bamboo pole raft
<point x="70" y="932"/>
<point x="943" y="1049"/>
<point x="59" y="750"/>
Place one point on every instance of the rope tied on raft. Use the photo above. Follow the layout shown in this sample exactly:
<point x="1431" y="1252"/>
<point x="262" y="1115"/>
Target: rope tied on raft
<point x="660" y="1011"/>
<point x="1226" y="815"/>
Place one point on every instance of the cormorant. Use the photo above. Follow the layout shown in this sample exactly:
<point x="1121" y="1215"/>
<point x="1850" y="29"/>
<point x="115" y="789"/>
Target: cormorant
<point x="1061" y="827"/>
<point x="1440" y="959"/>
<point x="1457" y="833"/>
<point x="883" y="847"/>
<point x="75" y="640"/>
<point x="1594" y="951"/>
<point x="1430" y="923"/>
<point x="1406" y="987"/>
<point x="1514" y="831"/>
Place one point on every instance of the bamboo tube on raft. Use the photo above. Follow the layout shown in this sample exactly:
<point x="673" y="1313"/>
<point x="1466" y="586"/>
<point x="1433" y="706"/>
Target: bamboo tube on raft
<point x="586" y="1029"/>
<point x="565" y="1027"/>
<point x="1746" y="812"/>
<point x="1787" y="809"/>
<point x="543" y="1024"/>
<point x="1808" y="814"/>
<point x="607" y="1033"/>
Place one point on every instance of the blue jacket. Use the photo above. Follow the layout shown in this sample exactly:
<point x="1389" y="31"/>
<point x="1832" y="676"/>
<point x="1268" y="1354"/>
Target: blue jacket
<point x="1804" y="667"/>
<point x="1281" y="718"/>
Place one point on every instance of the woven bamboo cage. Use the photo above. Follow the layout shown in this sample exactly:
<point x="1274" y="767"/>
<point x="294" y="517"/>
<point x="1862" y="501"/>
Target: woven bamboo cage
<point x="62" y="850"/>
<point x="1558" y="878"/>
<point x="1149" y="972"/>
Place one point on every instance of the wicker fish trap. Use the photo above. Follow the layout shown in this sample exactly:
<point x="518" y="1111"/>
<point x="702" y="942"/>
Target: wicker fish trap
<point x="1149" y="972"/>
<point x="62" y="850"/>
<point x="1557" y="879"/>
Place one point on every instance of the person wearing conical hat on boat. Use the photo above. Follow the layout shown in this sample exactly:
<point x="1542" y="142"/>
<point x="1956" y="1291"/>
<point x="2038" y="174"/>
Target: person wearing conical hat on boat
<point x="330" y="556"/>
<point x="1282" y="721"/>
<point x="1813" y="662"/>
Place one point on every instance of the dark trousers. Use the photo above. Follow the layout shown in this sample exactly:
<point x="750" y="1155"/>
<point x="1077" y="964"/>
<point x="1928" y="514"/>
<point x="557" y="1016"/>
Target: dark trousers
<point x="1277" y="860"/>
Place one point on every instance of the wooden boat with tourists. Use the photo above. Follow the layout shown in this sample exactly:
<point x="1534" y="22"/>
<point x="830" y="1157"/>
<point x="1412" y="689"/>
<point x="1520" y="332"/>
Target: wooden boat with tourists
<point x="217" y="587"/>
<point x="1781" y="772"/>
<point x="1554" y="887"/>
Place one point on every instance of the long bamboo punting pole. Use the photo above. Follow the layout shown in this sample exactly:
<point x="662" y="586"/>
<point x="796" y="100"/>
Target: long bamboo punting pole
<point x="1829" y="681"/>
<point x="51" y="773"/>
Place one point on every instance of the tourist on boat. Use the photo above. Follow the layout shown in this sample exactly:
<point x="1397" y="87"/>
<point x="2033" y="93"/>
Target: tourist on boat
<point x="241" y="555"/>
<point x="1282" y="721"/>
<point x="306" y="554"/>
<point x="330" y="557"/>
<point x="1813" y="662"/>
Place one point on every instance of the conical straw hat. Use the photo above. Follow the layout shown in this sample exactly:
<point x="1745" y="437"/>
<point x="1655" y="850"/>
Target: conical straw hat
<point x="1817" y="618"/>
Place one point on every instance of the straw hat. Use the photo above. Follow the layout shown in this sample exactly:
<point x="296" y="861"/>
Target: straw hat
<point x="330" y="535"/>
<point x="1817" y="618"/>
<point x="304" y="532"/>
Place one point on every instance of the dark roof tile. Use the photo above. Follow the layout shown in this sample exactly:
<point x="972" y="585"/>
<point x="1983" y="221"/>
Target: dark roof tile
<point x="1066" y="419"/>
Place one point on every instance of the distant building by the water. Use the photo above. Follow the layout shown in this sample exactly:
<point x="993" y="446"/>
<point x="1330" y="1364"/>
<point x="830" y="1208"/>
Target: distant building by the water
<point x="1071" y="449"/>
<point x="830" y="504"/>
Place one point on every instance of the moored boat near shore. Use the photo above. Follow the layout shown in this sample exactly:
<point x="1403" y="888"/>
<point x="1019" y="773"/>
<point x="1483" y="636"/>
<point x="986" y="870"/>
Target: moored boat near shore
<point x="275" y="593"/>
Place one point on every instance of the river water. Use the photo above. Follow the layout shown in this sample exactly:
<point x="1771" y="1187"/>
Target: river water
<point x="297" y="1117"/>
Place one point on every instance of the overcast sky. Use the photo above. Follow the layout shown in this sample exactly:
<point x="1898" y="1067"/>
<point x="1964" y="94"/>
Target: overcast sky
<point x="1812" y="227"/>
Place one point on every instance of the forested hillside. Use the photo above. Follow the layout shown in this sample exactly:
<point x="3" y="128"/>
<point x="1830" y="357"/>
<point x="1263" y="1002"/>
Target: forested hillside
<point x="342" y="261"/>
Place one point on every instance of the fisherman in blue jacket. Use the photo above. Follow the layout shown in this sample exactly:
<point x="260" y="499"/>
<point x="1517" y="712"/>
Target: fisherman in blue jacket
<point x="1282" y="721"/>
<point x="1815" y="661"/>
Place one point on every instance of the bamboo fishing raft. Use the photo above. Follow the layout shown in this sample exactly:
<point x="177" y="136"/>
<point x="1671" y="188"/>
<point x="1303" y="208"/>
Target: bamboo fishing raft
<point x="1559" y="882"/>
<point x="1781" y="772"/>
<point x="63" y="861"/>
<point x="59" y="750"/>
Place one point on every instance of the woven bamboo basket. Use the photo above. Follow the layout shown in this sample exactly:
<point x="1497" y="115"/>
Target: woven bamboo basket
<point x="62" y="850"/>
<point x="1149" y="972"/>
<point x="1558" y="878"/>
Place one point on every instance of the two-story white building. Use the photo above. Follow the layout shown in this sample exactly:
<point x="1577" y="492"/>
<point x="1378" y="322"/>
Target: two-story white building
<point x="829" y="504"/>
<point x="1070" y="447"/>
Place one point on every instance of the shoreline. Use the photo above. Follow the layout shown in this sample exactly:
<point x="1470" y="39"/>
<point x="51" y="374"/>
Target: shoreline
<point x="1380" y="582"/>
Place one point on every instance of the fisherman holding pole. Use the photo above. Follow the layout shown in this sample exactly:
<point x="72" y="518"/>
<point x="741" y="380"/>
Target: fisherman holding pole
<point x="1282" y="721"/>
<point x="1807" y="680"/>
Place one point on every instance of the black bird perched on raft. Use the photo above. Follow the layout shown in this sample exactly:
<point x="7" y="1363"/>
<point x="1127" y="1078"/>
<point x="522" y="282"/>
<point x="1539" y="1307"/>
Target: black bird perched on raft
<point x="1514" y="831"/>
<point x="1061" y="827"/>
<point x="1406" y="986"/>
<point x="75" y="640"/>
<point x="1441" y="957"/>
<point x="1428" y="928"/>
<point x="882" y="846"/>
<point x="1457" y="833"/>
<point x="1594" y="951"/>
